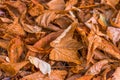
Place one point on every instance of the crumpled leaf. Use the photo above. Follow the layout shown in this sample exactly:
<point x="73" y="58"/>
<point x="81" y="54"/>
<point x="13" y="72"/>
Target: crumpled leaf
<point x="70" y="4"/>
<point x="17" y="4"/>
<point x="45" y="19"/>
<point x="112" y="3"/>
<point x="94" y="41"/>
<point x="32" y="29"/>
<point x="56" y="5"/>
<point x="12" y="68"/>
<point x="55" y="75"/>
<point x="6" y="20"/>
<point x="35" y="10"/>
<point x="4" y="43"/>
<point x="102" y="21"/>
<point x="96" y="68"/>
<point x="15" y="28"/>
<point x="114" y="34"/>
<point x="91" y="21"/>
<point x="116" y="74"/>
<point x="15" y="49"/>
<point x="42" y="65"/>
<point x="43" y="43"/>
<point x="65" y="47"/>
<point x="85" y="77"/>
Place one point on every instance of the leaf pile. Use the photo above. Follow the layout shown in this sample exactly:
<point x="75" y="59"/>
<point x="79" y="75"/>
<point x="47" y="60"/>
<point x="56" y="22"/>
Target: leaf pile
<point x="59" y="39"/>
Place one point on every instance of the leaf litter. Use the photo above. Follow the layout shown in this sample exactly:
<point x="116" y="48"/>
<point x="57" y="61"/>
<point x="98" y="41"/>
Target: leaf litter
<point x="59" y="39"/>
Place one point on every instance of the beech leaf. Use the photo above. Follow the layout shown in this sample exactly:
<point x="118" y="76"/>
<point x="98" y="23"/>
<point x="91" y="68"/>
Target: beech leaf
<point x="65" y="47"/>
<point x="42" y="65"/>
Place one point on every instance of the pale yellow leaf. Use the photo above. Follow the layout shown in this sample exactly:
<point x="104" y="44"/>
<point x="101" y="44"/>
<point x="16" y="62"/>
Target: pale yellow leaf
<point x="42" y="65"/>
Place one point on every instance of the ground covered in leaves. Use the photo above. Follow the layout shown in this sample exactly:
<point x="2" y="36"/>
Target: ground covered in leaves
<point x="59" y="39"/>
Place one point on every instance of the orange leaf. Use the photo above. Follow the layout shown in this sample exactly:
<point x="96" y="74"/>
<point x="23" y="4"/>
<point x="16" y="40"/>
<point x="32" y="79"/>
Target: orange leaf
<point x="55" y="75"/>
<point x="65" y="47"/>
<point x="15" y="49"/>
<point x="12" y="68"/>
<point x="56" y="5"/>
<point x="86" y="77"/>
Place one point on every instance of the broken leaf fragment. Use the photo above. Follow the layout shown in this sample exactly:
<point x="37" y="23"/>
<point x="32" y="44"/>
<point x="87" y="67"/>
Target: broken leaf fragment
<point x="42" y="65"/>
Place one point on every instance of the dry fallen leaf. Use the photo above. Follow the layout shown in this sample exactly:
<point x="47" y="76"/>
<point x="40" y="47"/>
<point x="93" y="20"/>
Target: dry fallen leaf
<point x="15" y="49"/>
<point x="86" y="77"/>
<point x="55" y="75"/>
<point x="42" y="65"/>
<point x="97" y="67"/>
<point x="116" y="74"/>
<point x="65" y="47"/>
<point x="111" y="2"/>
<point x="56" y="5"/>
<point x="12" y="68"/>
<point x="67" y="39"/>
<point x="114" y="34"/>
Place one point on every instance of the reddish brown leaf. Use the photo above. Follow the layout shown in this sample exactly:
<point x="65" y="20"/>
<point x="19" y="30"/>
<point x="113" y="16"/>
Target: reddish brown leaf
<point x="15" y="49"/>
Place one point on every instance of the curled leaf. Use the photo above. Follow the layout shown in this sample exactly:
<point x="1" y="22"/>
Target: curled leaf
<point x="86" y="77"/>
<point x="15" y="49"/>
<point x="96" y="68"/>
<point x="114" y="34"/>
<point x="12" y="68"/>
<point x="42" y="65"/>
<point x="55" y="75"/>
<point x="116" y="74"/>
<point x="56" y="5"/>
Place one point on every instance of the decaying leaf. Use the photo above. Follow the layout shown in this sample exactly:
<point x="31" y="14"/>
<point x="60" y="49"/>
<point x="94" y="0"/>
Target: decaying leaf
<point x="46" y="18"/>
<point x="56" y="5"/>
<point x="15" y="29"/>
<point x="12" y="68"/>
<point x="114" y="34"/>
<point x="86" y="77"/>
<point x="43" y="43"/>
<point x="65" y="47"/>
<point x="111" y="2"/>
<point x="116" y="75"/>
<point x="55" y="75"/>
<point x="60" y="39"/>
<point x="15" y="49"/>
<point x="42" y="65"/>
<point x="4" y="43"/>
<point x="96" y="68"/>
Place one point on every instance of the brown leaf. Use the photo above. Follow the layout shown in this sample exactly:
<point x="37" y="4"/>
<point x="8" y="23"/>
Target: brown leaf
<point x="17" y="4"/>
<point x="15" y="28"/>
<point x="4" y="43"/>
<point x="114" y="34"/>
<point x="32" y="28"/>
<point x="56" y="5"/>
<point x="55" y="75"/>
<point x="65" y="47"/>
<point x="70" y="4"/>
<point x="35" y="10"/>
<point x="12" y="68"/>
<point x="15" y="49"/>
<point x="43" y="43"/>
<point x="86" y="77"/>
<point x="46" y="18"/>
<point x="97" y="67"/>
<point x="111" y="2"/>
<point x="116" y="74"/>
